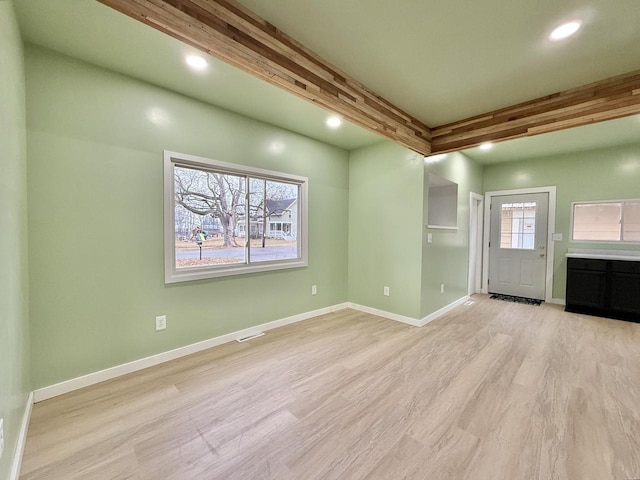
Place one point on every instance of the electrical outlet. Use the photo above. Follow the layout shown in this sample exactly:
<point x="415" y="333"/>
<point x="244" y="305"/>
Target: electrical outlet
<point x="385" y="291"/>
<point x="161" y="323"/>
<point x="429" y="237"/>
<point x="442" y="288"/>
<point x="1" y="436"/>
<point x="314" y="289"/>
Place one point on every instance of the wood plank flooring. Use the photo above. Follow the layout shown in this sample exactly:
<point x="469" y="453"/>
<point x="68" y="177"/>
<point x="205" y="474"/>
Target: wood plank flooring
<point x="490" y="391"/>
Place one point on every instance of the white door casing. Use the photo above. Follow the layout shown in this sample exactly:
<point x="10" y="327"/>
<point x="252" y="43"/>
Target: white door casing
<point x="476" y="203"/>
<point x="518" y="245"/>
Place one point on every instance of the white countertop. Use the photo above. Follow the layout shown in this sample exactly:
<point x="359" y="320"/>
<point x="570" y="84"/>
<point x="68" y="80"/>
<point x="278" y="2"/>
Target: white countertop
<point x="630" y="255"/>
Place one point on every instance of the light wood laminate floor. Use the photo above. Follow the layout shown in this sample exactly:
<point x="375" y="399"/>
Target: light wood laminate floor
<point x="490" y="391"/>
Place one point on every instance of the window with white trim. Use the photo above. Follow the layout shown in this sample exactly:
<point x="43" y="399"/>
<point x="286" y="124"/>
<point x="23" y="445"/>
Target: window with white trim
<point x="606" y="222"/>
<point x="227" y="219"/>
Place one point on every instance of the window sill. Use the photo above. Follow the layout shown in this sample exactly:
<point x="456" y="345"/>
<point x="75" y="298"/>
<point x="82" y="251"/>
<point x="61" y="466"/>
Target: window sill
<point x="442" y="227"/>
<point x="204" y="273"/>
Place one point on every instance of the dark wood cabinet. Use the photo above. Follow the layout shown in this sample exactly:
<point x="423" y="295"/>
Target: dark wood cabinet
<point x="607" y="288"/>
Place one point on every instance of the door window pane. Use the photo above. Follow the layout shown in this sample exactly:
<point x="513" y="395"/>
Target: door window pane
<point x="518" y="225"/>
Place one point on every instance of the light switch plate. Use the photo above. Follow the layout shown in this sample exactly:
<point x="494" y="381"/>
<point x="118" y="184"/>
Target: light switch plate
<point x="161" y="323"/>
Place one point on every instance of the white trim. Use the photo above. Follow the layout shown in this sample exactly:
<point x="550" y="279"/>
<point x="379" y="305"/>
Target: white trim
<point x="557" y="301"/>
<point x="551" y="227"/>
<point x="174" y="275"/>
<point x="22" y="439"/>
<point x="136" y="365"/>
<point x="476" y="206"/>
<point x="381" y="313"/>
<point x="438" y="313"/>
<point x="603" y="242"/>
<point x="442" y="227"/>
<point x="409" y="320"/>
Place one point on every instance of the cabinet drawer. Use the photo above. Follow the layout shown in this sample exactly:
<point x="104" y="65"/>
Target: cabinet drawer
<point x="587" y="264"/>
<point x="625" y="267"/>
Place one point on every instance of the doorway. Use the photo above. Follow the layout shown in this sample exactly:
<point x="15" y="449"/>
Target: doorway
<point x="518" y="254"/>
<point x="476" y="206"/>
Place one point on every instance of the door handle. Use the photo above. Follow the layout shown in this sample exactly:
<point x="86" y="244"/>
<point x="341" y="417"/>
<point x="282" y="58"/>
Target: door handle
<point x="542" y="255"/>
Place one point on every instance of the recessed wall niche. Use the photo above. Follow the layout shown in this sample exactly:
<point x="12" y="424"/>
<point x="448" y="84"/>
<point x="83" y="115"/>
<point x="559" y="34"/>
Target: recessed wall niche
<point x="442" y="203"/>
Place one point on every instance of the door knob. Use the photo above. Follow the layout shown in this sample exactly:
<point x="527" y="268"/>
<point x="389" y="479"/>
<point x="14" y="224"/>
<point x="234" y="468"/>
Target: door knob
<point x="542" y="255"/>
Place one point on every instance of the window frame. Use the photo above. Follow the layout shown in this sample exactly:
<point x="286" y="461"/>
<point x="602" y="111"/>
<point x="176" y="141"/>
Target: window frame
<point x="175" y="275"/>
<point x="606" y="242"/>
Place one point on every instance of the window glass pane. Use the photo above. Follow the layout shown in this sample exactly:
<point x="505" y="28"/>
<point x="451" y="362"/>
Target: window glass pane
<point x="631" y="222"/>
<point x="209" y="211"/>
<point x="597" y="221"/>
<point x="518" y="225"/>
<point x="273" y="209"/>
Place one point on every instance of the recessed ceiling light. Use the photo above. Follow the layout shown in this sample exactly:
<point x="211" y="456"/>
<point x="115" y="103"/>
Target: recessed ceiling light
<point x="565" y="30"/>
<point x="196" y="62"/>
<point x="334" y="122"/>
<point x="436" y="158"/>
<point x="486" y="146"/>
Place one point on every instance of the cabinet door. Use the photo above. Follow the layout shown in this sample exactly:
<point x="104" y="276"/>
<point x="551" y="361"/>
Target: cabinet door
<point x="586" y="288"/>
<point x="625" y="293"/>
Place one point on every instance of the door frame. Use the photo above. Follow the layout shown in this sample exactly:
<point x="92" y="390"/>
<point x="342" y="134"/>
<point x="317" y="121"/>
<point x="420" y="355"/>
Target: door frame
<point x="551" y="226"/>
<point x="476" y="222"/>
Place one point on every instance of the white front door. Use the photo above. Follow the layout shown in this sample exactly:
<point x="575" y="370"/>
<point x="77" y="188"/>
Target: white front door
<point x="518" y="245"/>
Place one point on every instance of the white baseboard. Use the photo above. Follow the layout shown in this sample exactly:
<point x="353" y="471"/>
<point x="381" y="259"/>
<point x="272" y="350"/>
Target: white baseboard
<point x="556" y="301"/>
<point x="438" y="313"/>
<point x="22" y="439"/>
<point x="136" y="365"/>
<point x="409" y="320"/>
<point x="384" y="314"/>
<point x="130" y="367"/>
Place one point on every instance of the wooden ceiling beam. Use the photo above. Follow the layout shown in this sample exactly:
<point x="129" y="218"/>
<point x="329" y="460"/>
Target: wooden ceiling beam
<point x="227" y="30"/>
<point x="607" y="99"/>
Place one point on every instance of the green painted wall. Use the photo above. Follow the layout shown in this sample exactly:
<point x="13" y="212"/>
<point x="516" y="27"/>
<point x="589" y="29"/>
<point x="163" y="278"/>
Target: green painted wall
<point x="14" y="309"/>
<point x="610" y="173"/>
<point x="385" y="215"/>
<point x="446" y="259"/>
<point x="96" y="219"/>
<point x="388" y="189"/>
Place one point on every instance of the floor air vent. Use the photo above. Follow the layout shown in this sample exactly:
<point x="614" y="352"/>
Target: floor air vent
<point x="250" y="337"/>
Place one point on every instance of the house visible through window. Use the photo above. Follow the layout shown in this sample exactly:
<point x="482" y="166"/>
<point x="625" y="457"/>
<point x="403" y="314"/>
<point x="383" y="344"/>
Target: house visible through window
<point x="226" y="219"/>
<point x="612" y="221"/>
<point x="518" y="225"/>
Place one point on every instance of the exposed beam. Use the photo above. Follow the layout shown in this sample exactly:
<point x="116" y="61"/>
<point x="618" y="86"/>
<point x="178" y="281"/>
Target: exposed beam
<point x="607" y="99"/>
<point x="234" y="34"/>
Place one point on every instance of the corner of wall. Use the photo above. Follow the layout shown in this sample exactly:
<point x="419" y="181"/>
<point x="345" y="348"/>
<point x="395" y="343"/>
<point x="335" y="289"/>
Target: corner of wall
<point x="14" y="286"/>
<point x="385" y="227"/>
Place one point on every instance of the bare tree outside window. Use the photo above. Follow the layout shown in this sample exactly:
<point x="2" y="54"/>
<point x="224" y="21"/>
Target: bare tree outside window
<point x="226" y="221"/>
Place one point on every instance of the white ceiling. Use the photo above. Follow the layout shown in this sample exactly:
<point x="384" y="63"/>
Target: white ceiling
<point x="445" y="60"/>
<point x="90" y="31"/>
<point x="439" y="60"/>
